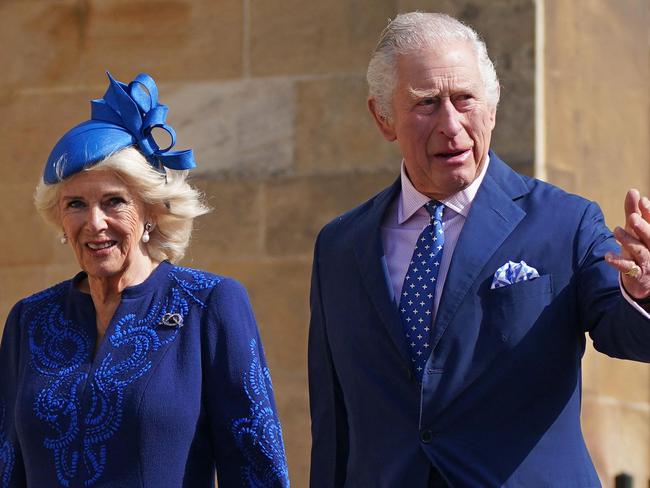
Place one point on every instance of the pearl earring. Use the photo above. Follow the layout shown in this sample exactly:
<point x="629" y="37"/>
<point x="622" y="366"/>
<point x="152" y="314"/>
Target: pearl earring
<point x="64" y="238"/>
<point x="145" y="235"/>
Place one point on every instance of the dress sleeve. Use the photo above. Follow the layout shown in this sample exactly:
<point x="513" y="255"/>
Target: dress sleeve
<point x="616" y="328"/>
<point x="246" y="431"/>
<point x="12" y="470"/>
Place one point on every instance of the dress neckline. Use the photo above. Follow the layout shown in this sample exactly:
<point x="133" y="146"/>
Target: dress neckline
<point x="148" y="285"/>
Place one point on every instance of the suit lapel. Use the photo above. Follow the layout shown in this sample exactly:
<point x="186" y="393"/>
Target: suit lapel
<point x="369" y="253"/>
<point x="492" y="218"/>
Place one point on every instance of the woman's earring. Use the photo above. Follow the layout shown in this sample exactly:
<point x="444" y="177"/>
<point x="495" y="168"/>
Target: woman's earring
<point x="145" y="235"/>
<point x="64" y="238"/>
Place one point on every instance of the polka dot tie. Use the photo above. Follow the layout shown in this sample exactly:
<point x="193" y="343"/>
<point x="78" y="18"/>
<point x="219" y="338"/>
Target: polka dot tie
<point x="418" y="290"/>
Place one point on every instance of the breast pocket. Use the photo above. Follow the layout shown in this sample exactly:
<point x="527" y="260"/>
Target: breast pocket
<point x="513" y="309"/>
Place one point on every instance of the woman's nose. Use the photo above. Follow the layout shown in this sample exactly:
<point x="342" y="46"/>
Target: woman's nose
<point x="96" y="218"/>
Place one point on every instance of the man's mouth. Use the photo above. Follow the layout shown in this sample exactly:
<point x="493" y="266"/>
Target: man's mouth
<point x="96" y="246"/>
<point x="457" y="156"/>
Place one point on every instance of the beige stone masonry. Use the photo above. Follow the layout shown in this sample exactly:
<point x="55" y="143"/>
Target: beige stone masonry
<point x="293" y="37"/>
<point x="73" y="42"/>
<point x="244" y="126"/>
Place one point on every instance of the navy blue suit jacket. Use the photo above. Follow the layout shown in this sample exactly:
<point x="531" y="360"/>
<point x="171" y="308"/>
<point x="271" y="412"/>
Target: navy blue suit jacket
<point x="500" y="400"/>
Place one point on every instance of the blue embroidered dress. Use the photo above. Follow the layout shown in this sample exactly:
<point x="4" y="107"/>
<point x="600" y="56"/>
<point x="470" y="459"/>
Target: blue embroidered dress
<point x="157" y="406"/>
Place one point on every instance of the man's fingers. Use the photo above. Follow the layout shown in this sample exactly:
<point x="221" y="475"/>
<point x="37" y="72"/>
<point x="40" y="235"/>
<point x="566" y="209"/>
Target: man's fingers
<point x="624" y="266"/>
<point x="640" y="228"/>
<point x="632" y="198"/>
<point x="633" y="247"/>
<point x="644" y="206"/>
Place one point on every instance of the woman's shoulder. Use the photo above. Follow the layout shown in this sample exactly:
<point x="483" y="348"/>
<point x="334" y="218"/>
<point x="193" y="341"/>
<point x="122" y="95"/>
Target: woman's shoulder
<point x="48" y="294"/>
<point x="215" y="286"/>
<point x="28" y="306"/>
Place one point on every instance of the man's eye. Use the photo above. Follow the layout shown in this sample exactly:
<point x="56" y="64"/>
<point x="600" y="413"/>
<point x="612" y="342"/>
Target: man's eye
<point x="426" y="101"/>
<point x="465" y="97"/>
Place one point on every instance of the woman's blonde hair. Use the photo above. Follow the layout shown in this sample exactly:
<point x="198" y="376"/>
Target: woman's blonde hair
<point x="167" y="196"/>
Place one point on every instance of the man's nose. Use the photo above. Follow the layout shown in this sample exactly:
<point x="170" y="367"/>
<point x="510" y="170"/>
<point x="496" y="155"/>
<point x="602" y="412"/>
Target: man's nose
<point x="449" y="119"/>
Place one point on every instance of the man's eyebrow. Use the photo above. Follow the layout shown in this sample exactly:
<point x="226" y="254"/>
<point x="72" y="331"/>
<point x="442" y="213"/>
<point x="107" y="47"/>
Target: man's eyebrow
<point x="416" y="93"/>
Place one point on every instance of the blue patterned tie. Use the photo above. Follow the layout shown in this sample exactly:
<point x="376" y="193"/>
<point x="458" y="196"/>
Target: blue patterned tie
<point x="419" y="288"/>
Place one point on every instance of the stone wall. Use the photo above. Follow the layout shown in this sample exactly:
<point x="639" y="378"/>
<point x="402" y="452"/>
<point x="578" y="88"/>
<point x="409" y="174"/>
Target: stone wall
<point x="597" y="104"/>
<point x="271" y="96"/>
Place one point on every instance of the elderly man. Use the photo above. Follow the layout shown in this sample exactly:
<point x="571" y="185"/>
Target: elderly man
<point x="450" y="311"/>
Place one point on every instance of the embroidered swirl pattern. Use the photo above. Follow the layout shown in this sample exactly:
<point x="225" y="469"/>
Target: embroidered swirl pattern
<point x="7" y="453"/>
<point x="58" y="350"/>
<point x="259" y="435"/>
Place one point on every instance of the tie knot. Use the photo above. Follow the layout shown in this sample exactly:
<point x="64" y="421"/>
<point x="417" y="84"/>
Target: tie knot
<point x="435" y="209"/>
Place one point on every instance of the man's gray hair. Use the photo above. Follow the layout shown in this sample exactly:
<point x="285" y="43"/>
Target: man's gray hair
<point x="414" y="31"/>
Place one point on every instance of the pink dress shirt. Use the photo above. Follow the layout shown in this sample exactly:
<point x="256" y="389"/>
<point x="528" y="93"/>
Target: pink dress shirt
<point x="406" y="217"/>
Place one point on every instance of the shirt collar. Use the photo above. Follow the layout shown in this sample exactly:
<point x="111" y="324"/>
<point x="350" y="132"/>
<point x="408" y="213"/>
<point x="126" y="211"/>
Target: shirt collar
<point x="411" y="200"/>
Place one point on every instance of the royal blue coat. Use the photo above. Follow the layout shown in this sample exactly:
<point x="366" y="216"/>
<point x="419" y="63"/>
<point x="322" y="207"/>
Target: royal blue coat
<point x="500" y="400"/>
<point x="165" y="399"/>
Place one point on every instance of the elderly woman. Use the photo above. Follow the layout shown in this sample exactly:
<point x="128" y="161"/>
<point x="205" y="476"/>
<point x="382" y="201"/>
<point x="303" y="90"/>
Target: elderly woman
<point x="136" y="372"/>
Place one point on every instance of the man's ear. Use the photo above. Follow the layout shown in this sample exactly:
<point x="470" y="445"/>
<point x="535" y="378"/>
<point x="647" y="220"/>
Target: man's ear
<point x="493" y="117"/>
<point x="493" y="111"/>
<point x="385" y="126"/>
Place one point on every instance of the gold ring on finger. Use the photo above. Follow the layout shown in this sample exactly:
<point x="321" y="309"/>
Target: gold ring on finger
<point x="633" y="272"/>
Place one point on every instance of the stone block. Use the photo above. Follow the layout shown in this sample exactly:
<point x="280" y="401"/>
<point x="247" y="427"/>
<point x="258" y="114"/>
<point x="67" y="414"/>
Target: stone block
<point x="291" y="37"/>
<point x="335" y="131"/>
<point x="627" y="381"/>
<point x="293" y="406"/>
<point x="513" y="137"/>
<point x="608" y="138"/>
<point x="27" y="240"/>
<point x="32" y="123"/>
<point x="235" y="127"/>
<point x="618" y="438"/>
<point x="22" y="281"/>
<point x="73" y="43"/>
<point x="235" y="225"/>
<point x="39" y="41"/>
<point x="299" y="207"/>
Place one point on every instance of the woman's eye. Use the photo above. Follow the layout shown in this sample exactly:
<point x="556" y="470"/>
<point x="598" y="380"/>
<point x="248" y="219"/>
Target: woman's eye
<point x="75" y="204"/>
<point x="116" y="201"/>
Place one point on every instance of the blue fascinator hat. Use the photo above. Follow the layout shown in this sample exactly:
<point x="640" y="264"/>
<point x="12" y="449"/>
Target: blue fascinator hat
<point x="126" y="116"/>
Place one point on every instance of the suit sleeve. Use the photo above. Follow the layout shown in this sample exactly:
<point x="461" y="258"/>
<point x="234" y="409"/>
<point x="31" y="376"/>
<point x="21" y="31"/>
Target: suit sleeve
<point x="12" y="470"/>
<point x="615" y="327"/>
<point x="329" y="427"/>
<point x="238" y="393"/>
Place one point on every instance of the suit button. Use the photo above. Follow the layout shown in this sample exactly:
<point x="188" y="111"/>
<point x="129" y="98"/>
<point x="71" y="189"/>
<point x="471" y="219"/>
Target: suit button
<point x="426" y="436"/>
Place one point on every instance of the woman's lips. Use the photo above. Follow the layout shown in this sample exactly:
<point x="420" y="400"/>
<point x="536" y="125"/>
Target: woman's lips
<point x="100" y="247"/>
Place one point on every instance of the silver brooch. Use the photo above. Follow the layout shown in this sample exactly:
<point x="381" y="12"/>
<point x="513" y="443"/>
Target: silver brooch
<point x="172" y="320"/>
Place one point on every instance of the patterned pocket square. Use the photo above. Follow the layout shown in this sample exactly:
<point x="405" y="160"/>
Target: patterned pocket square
<point x="511" y="273"/>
